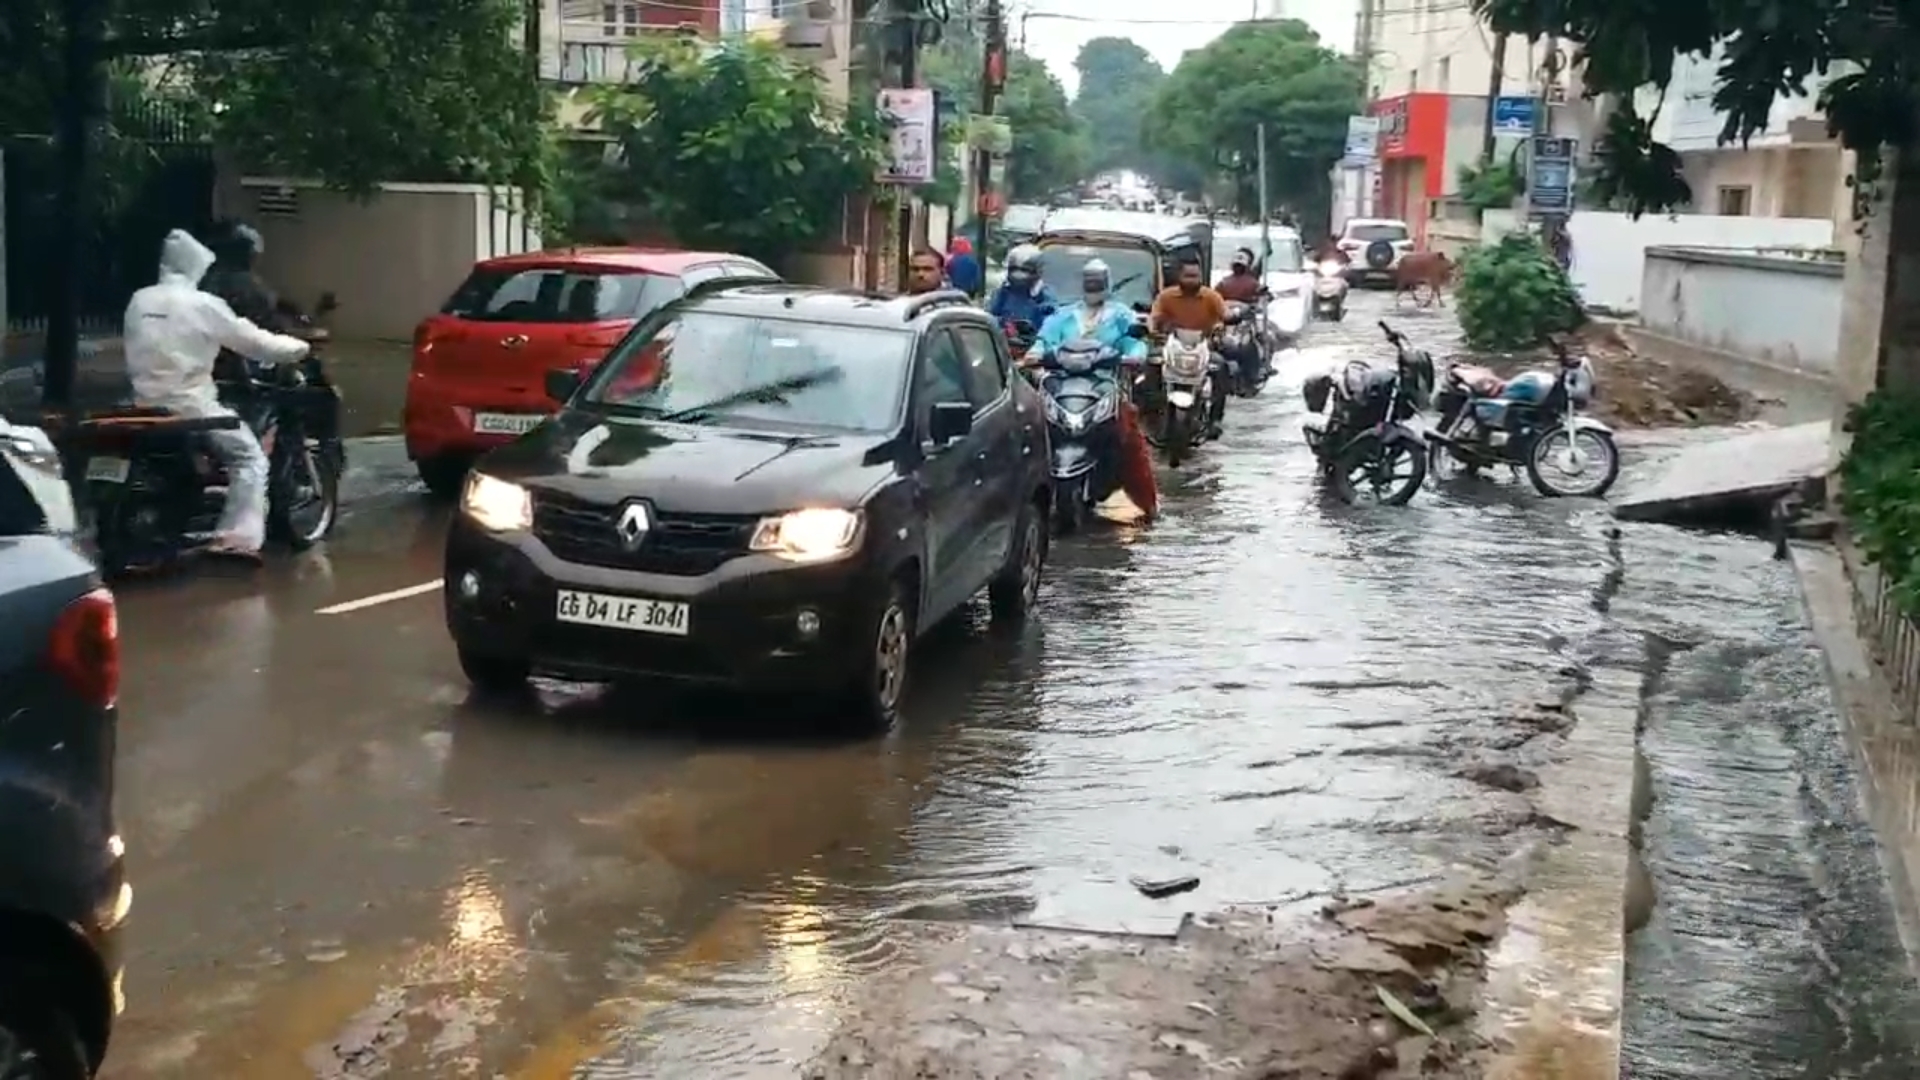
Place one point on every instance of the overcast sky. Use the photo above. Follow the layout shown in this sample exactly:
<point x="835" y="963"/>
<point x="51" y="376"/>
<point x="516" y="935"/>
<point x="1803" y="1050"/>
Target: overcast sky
<point x="1196" y="22"/>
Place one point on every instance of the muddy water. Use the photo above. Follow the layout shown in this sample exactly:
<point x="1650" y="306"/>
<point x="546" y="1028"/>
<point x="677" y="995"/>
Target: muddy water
<point x="1259" y="690"/>
<point x="1772" y="950"/>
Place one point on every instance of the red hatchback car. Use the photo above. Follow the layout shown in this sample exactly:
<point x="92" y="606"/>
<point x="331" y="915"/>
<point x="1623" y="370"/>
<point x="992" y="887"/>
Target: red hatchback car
<point x="479" y="366"/>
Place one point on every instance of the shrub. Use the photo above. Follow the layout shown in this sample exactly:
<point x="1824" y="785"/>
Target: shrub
<point x="1512" y="295"/>
<point x="1494" y="187"/>
<point x="1880" y="489"/>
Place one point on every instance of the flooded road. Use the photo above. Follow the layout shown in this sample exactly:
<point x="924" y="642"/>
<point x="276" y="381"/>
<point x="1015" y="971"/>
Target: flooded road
<point x="344" y="869"/>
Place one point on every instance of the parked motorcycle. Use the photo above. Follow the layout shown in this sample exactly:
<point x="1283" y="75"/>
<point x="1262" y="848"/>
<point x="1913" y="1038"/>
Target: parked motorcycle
<point x="1082" y="387"/>
<point x="155" y="489"/>
<point x="1244" y="348"/>
<point x="1330" y="290"/>
<point x="1357" y="425"/>
<point x="1188" y="374"/>
<point x="1531" y="421"/>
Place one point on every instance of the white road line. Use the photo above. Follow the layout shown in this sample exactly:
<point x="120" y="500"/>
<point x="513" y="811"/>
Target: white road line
<point x="380" y="598"/>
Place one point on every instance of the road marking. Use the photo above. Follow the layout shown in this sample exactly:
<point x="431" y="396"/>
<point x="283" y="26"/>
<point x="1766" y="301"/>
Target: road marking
<point x="381" y="598"/>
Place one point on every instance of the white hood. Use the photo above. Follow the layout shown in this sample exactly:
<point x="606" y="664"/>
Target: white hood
<point x="183" y="260"/>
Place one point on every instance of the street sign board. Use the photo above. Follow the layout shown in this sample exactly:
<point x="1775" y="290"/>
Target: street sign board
<point x="914" y="136"/>
<point x="1513" y="115"/>
<point x="1363" y="140"/>
<point x="1550" y="176"/>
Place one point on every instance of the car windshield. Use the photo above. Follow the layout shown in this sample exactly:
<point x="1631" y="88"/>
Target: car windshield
<point x="556" y="294"/>
<point x="705" y="367"/>
<point x="1023" y="218"/>
<point x="1377" y="231"/>
<point x="1285" y="258"/>
<point x="1132" y="270"/>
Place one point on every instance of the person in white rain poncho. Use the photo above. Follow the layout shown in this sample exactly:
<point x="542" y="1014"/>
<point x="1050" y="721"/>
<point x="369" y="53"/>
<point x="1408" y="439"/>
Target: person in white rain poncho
<point x="174" y="333"/>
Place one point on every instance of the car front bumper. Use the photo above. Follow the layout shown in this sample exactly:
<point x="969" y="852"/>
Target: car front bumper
<point x="754" y="622"/>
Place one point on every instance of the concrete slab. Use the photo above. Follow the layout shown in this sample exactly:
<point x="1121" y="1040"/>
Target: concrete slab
<point x="1743" y="472"/>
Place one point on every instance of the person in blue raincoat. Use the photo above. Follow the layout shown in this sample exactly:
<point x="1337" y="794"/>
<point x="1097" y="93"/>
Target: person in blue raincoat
<point x="1095" y="316"/>
<point x="1023" y="296"/>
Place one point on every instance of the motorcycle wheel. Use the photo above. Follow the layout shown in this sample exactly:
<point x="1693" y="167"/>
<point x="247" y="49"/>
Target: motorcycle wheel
<point x="1069" y="505"/>
<point x="1339" y="311"/>
<point x="1176" y="437"/>
<point x="305" y="499"/>
<point x="1371" y="460"/>
<point x="1601" y="464"/>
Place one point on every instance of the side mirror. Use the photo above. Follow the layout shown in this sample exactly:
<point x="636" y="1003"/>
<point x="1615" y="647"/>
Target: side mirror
<point x="1137" y="330"/>
<point x="1142" y="307"/>
<point x="951" y="421"/>
<point x="561" y="384"/>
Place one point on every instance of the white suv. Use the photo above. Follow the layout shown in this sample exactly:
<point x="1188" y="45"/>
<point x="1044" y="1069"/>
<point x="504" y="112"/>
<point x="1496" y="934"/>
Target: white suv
<point x="1374" y="247"/>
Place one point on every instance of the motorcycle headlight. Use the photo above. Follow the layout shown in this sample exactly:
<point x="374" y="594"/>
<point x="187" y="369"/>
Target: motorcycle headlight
<point x="1331" y="269"/>
<point x="1055" y="413"/>
<point x="812" y="535"/>
<point x="1104" y="409"/>
<point x="497" y="505"/>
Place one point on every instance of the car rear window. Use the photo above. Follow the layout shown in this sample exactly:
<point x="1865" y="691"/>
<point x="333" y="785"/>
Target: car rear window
<point x="557" y="295"/>
<point x="1370" y="233"/>
<point x="755" y="372"/>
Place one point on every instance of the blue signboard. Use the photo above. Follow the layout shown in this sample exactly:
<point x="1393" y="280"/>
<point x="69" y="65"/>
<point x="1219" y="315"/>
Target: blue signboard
<point x="1550" y="176"/>
<point x="1513" y="115"/>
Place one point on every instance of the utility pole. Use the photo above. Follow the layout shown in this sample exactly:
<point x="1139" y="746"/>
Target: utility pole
<point x="530" y="40"/>
<point x="906" y="28"/>
<point x="77" y="115"/>
<point x="1495" y="84"/>
<point x="993" y="78"/>
<point x="1363" y="46"/>
<point x="1266" y="212"/>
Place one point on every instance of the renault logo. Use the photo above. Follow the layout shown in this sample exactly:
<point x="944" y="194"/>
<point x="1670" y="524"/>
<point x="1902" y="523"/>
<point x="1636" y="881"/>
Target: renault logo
<point x="633" y="525"/>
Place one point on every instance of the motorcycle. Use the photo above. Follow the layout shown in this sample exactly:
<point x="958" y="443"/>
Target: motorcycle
<point x="1020" y="335"/>
<point x="1081" y="387"/>
<point x="1189" y="376"/>
<point x="1243" y="347"/>
<point x="155" y="488"/>
<point x="1531" y="421"/>
<point x="1330" y="290"/>
<point x="1357" y="425"/>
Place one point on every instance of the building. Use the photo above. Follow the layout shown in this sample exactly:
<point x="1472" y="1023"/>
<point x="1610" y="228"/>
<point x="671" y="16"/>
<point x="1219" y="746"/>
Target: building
<point x="1791" y="168"/>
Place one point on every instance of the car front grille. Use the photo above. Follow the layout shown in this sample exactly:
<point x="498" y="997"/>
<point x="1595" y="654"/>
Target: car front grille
<point x="685" y="544"/>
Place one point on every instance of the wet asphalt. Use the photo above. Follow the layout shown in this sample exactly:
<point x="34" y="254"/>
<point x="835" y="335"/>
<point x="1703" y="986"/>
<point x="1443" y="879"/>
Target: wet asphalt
<point x="344" y="869"/>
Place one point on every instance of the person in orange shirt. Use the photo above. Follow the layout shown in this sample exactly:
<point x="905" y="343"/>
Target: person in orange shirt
<point x="1190" y="305"/>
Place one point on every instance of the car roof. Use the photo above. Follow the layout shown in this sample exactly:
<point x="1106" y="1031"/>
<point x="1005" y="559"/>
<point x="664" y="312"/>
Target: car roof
<point x="842" y="307"/>
<point x="1376" y="221"/>
<point x="646" y="260"/>
<point x="1138" y="222"/>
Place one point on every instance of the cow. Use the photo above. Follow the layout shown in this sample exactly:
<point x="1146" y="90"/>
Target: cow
<point x="1430" y="268"/>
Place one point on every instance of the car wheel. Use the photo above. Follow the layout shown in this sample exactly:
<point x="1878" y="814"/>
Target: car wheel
<point x="879" y="686"/>
<point x="499" y="676"/>
<point x="39" y="1045"/>
<point x="443" y="475"/>
<point x="1017" y="587"/>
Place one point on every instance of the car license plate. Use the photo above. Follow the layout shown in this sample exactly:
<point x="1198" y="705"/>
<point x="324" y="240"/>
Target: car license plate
<point x="622" y="612"/>
<point x="108" y="470"/>
<point x="493" y="423"/>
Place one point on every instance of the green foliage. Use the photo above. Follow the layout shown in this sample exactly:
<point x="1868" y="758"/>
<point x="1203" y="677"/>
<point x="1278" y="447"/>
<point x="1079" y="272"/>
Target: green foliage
<point x="1880" y="489"/>
<point x="1492" y="188"/>
<point x="1512" y="295"/>
<point x="1118" y="81"/>
<point x="1050" y="149"/>
<point x="350" y="92"/>
<point x="738" y="148"/>
<point x="1768" y="50"/>
<point x="1208" y="111"/>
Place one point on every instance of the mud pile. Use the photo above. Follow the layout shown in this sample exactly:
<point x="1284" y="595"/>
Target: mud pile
<point x="1369" y="989"/>
<point x="1639" y="391"/>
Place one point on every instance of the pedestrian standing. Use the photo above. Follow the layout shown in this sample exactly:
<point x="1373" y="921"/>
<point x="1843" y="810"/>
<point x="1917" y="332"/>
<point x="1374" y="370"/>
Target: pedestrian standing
<point x="963" y="268"/>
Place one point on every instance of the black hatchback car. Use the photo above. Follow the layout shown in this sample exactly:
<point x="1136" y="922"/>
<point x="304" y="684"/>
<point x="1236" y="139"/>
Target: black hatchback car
<point x="63" y="891"/>
<point x="767" y="486"/>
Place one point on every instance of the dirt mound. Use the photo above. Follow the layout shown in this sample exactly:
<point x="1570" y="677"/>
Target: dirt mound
<point x="1639" y="391"/>
<point x="1371" y="989"/>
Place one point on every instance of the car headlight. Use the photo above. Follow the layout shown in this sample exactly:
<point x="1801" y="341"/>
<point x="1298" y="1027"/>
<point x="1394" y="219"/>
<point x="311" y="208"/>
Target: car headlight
<point x="495" y="504"/>
<point x="812" y="535"/>
<point x="1331" y="268"/>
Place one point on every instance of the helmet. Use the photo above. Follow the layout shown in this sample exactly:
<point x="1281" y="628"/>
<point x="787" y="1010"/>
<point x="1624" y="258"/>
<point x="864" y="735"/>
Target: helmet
<point x="1023" y="262"/>
<point x="1096" y="278"/>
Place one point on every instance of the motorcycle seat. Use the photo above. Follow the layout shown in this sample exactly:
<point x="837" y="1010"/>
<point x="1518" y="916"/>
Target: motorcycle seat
<point x="143" y="420"/>
<point x="1480" y="380"/>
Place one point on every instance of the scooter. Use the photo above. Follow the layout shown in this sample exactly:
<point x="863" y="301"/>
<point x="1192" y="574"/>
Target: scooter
<point x="1243" y="348"/>
<point x="1080" y="384"/>
<point x="1187" y="370"/>
<point x="1330" y="290"/>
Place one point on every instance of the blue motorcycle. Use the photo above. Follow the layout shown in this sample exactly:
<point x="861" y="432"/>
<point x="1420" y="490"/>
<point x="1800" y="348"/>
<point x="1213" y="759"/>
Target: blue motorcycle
<point x="1081" y="385"/>
<point x="1531" y="421"/>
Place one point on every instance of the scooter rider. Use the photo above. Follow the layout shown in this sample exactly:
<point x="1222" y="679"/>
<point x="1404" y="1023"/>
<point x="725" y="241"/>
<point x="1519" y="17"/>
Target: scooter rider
<point x="1095" y="316"/>
<point x="173" y="334"/>
<point x="1023" y="296"/>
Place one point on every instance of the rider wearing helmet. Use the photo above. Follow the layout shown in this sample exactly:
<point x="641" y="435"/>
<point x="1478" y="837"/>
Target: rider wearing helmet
<point x="1097" y="317"/>
<point x="1023" y="296"/>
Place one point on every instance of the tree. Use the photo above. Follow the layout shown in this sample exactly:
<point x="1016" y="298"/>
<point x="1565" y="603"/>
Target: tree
<point x="735" y="147"/>
<point x="1768" y="50"/>
<point x="1050" y="149"/>
<point x="1118" y="80"/>
<point x="1208" y="112"/>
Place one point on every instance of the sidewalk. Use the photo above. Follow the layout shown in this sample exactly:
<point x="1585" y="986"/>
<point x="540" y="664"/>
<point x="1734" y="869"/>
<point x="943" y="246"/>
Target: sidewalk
<point x="372" y="376"/>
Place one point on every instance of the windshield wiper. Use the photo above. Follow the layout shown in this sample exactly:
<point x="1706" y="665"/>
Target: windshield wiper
<point x="772" y="393"/>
